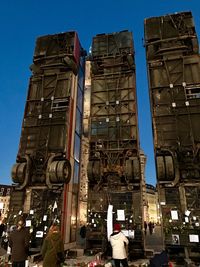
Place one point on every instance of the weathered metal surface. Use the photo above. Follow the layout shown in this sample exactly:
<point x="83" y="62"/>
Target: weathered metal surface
<point x="114" y="171"/>
<point x="16" y="203"/>
<point x="49" y="146"/>
<point x="173" y="64"/>
<point x="46" y="125"/>
<point x="113" y="123"/>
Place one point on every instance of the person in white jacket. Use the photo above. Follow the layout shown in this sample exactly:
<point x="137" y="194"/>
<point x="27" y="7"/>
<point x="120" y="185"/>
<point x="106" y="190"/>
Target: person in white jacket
<point x="119" y="242"/>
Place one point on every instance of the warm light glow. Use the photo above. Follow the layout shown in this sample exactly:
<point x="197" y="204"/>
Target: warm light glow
<point x="92" y="263"/>
<point x="162" y="203"/>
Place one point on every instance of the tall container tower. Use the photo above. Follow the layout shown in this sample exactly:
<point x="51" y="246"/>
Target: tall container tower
<point x="46" y="173"/>
<point x="173" y="65"/>
<point x="114" y="171"/>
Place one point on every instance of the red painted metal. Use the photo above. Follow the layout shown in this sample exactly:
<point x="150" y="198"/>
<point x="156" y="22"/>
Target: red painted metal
<point x="66" y="188"/>
<point x="76" y="48"/>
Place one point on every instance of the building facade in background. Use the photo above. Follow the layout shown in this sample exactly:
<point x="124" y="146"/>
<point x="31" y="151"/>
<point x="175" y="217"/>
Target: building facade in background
<point x="153" y="209"/>
<point x="5" y="193"/>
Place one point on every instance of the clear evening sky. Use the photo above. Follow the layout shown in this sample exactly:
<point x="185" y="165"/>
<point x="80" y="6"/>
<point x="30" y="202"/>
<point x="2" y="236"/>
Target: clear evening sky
<point x="22" y="21"/>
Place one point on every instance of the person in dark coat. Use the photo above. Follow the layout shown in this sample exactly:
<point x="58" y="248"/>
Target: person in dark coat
<point x="53" y="248"/>
<point x="161" y="259"/>
<point x="150" y="224"/>
<point x="83" y="231"/>
<point x="2" y="229"/>
<point x="19" y="244"/>
<point x="145" y="227"/>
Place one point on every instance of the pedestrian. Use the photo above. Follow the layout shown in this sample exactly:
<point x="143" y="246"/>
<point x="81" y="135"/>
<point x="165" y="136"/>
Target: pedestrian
<point x="82" y="233"/>
<point x="118" y="243"/>
<point x="19" y="244"/>
<point x="161" y="259"/>
<point x="150" y="224"/>
<point x="153" y="227"/>
<point x="145" y="227"/>
<point x="2" y="229"/>
<point x="53" y="248"/>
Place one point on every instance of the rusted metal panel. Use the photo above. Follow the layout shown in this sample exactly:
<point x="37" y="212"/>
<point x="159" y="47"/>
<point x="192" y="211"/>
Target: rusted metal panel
<point x="118" y="43"/>
<point x="173" y="64"/>
<point x="48" y="148"/>
<point x="46" y="129"/>
<point x="113" y="123"/>
<point x="46" y="114"/>
<point x="114" y="171"/>
<point x="170" y="35"/>
<point x="57" y="49"/>
<point x="112" y="99"/>
<point x="16" y="204"/>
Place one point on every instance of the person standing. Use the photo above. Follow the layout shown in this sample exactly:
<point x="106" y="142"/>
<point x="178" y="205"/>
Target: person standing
<point x="150" y="224"/>
<point x="82" y="233"/>
<point x="53" y="248"/>
<point x="145" y="227"/>
<point x="2" y="229"/>
<point x="19" y="244"/>
<point x="118" y="243"/>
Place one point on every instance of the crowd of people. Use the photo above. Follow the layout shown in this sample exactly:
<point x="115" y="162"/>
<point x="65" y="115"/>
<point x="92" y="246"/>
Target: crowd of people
<point x="151" y="227"/>
<point x="52" y="250"/>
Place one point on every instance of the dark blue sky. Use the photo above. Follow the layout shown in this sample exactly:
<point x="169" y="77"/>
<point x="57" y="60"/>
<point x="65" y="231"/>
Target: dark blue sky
<point x="22" y="21"/>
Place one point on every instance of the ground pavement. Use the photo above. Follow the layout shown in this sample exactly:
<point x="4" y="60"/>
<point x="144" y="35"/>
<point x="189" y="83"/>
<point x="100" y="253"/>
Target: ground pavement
<point x="154" y="241"/>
